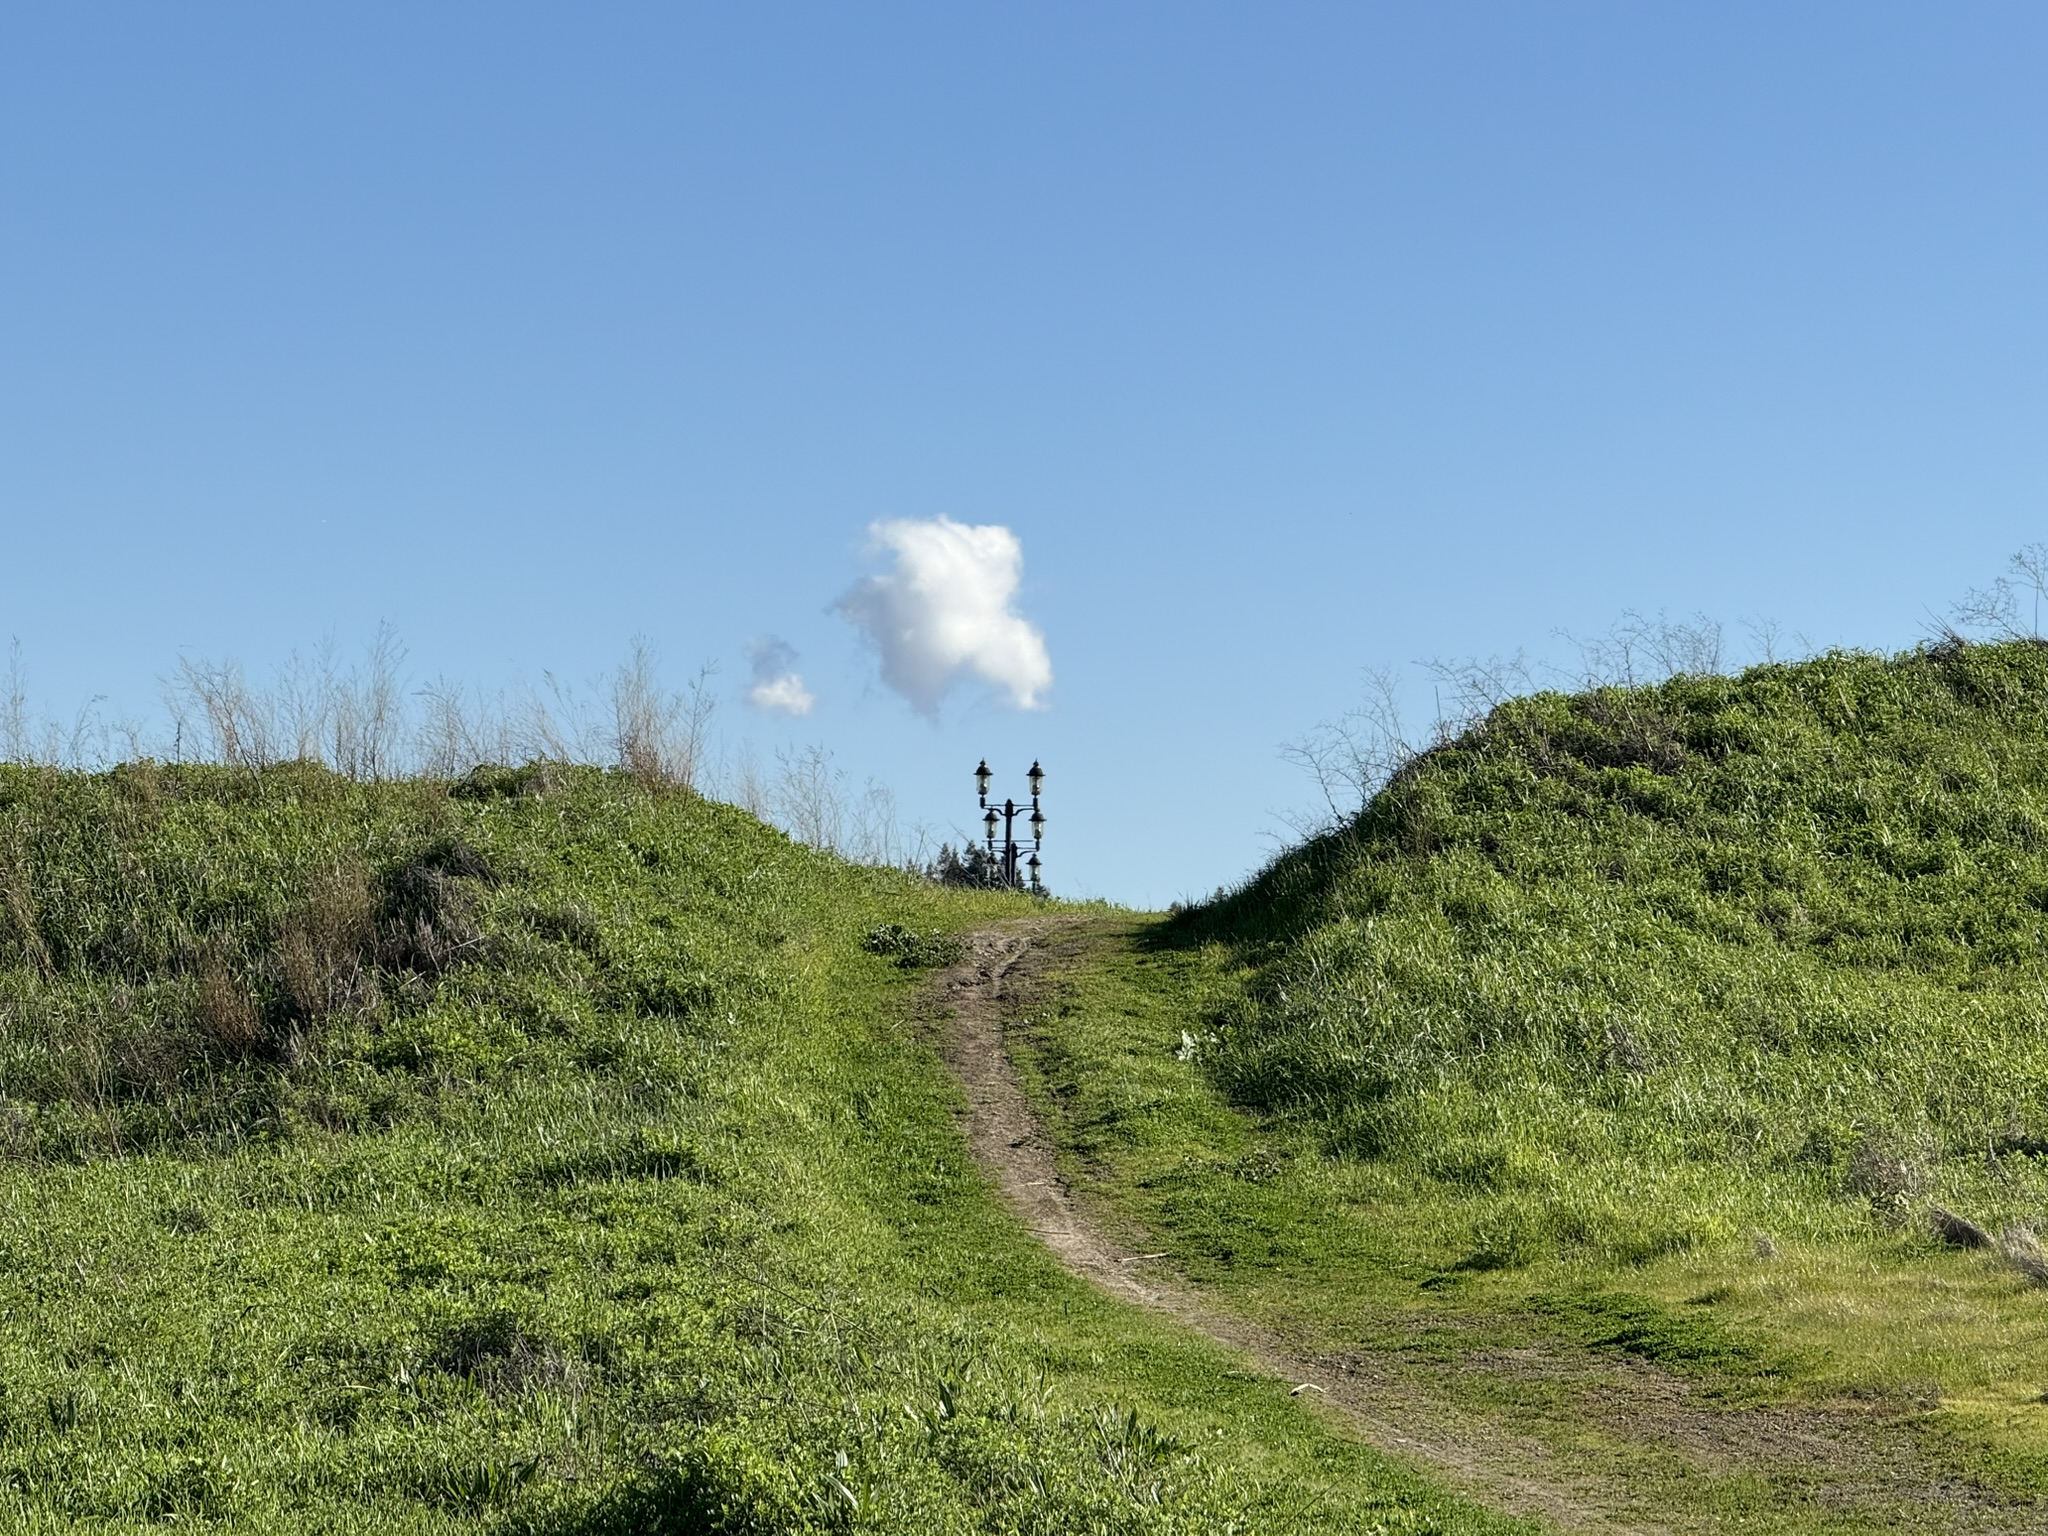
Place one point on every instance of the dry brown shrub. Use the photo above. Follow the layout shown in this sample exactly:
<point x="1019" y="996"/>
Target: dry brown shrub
<point x="224" y="1012"/>
<point x="486" y="781"/>
<point x="427" y="920"/>
<point x="147" y="1064"/>
<point x="658" y="734"/>
<point x="1636" y="734"/>
<point x="506" y="1362"/>
<point x="1889" y="1171"/>
<point x="17" y="1131"/>
<point x="323" y="948"/>
<point x="141" y="785"/>
<point x="531" y="1367"/>
<point x="1957" y="1231"/>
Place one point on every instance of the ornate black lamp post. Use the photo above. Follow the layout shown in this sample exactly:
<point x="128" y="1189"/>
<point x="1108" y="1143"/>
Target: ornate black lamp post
<point x="1012" y="872"/>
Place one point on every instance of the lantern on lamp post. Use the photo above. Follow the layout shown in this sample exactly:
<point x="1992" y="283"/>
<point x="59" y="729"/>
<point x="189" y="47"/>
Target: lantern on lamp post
<point x="1007" y="855"/>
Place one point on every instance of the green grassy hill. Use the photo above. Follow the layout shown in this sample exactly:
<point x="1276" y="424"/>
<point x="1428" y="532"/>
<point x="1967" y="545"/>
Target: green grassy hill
<point x="1606" y="1080"/>
<point x="1637" y="970"/>
<point x="543" y="1153"/>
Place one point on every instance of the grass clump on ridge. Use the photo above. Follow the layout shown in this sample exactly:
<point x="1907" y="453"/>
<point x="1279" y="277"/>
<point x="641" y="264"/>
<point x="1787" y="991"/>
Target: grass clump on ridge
<point x="1679" y="960"/>
<point x="541" y="1152"/>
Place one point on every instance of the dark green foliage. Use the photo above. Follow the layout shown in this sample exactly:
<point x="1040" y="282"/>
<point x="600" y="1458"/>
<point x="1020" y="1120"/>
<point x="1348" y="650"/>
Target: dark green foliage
<point x="973" y="866"/>
<point x="1692" y="1343"/>
<point x="492" y="782"/>
<point x="913" y="950"/>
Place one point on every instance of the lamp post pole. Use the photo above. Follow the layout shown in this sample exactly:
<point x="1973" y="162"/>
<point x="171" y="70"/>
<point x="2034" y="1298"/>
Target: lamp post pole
<point x="1012" y="852"/>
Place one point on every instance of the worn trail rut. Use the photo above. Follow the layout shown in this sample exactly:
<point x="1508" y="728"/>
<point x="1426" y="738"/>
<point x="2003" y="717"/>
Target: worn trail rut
<point x="1852" y="1466"/>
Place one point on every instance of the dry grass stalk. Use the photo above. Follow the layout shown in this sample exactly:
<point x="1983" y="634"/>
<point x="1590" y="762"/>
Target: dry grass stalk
<point x="659" y="736"/>
<point x="368" y="722"/>
<point x="2020" y="1248"/>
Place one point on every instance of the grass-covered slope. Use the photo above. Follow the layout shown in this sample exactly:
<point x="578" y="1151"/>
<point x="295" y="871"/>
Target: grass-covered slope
<point x="541" y="1153"/>
<point x="1627" y="972"/>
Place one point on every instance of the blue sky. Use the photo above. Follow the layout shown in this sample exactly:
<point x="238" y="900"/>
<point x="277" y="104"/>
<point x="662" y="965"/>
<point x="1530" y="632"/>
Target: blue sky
<point x="1287" y="341"/>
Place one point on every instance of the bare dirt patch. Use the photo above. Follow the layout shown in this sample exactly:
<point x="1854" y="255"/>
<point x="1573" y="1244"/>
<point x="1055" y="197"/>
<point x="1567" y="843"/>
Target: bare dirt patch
<point x="1637" y="1447"/>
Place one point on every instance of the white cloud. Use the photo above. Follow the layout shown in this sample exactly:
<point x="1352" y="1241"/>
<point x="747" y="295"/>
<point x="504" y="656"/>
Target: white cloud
<point x="776" y="684"/>
<point x="787" y="694"/>
<point x="945" y="611"/>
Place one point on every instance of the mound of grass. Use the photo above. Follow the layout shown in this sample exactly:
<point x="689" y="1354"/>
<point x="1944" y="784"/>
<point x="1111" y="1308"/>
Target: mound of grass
<point x="1623" y="973"/>
<point x="544" y="1153"/>
<point x="1684" y="1039"/>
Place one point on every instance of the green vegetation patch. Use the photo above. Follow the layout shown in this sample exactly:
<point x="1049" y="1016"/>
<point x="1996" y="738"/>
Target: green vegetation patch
<point x="1682" y="1039"/>
<point x="1678" y="963"/>
<point x="543" y="1153"/>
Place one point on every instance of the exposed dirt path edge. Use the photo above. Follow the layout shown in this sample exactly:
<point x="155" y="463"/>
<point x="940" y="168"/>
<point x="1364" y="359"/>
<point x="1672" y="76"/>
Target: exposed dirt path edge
<point x="1836" y="1461"/>
<point x="1010" y="1144"/>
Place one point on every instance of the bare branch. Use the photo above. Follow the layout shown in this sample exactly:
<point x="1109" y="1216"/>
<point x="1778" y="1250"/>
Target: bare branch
<point x="1351" y="757"/>
<point x="1477" y="687"/>
<point x="1640" y="650"/>
<point x="659" y="736"/>
<point x="805" y="797"/>
<point x="2010" y="607"/>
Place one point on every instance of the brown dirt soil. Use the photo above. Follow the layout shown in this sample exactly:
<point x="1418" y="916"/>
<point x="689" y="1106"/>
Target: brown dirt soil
<point x="1638" y="1439"/>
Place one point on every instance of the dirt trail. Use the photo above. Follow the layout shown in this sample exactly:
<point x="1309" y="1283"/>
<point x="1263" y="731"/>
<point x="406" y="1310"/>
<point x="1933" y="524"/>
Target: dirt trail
<point x="1846" y="1463"/>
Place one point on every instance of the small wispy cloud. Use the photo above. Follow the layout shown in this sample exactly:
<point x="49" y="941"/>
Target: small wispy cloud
<point x="945" y="611"/>
<point x="776" y="686"/>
